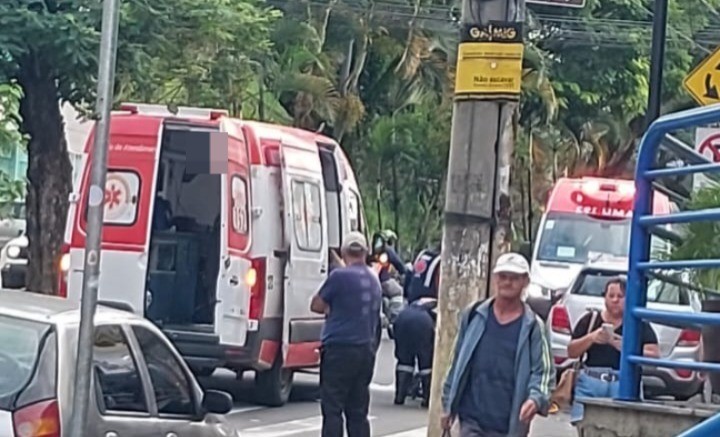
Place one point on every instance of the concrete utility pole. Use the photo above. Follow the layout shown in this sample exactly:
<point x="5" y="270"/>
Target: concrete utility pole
<point x="98" y="171"/>
<point x="477" y="206"/>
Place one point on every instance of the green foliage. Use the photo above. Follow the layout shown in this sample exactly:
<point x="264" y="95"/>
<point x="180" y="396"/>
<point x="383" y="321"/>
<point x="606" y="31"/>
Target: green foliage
<point x="701" y="240"/>
<point x="10" y="136"/>
<point x="199" y="53"/>
<point x="10" y="139"/>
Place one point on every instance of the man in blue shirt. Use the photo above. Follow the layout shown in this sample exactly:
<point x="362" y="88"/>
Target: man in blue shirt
<point x="502" y="373"/>
<point x="350" y="298"/>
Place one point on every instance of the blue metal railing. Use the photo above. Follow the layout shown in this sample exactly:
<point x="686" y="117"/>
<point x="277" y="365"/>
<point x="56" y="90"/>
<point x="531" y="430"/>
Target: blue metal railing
<point x="639" y="260"/>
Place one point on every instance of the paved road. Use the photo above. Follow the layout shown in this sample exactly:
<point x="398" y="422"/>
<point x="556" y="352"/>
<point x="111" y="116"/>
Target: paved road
<point x="301" y="417"/>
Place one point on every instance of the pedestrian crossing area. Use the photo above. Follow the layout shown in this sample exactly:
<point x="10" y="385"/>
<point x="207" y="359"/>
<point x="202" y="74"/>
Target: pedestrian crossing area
<point x="307" y="426"/>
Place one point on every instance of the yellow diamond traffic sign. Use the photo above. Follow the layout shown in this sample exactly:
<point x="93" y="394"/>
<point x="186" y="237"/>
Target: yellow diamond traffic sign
<point x="703" y="83"/>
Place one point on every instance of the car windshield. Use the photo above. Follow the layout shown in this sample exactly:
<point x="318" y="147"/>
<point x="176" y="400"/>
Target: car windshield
<point x="21" y="345"/>
<point x="574" y="238"/>
<point x="592" y="283"/>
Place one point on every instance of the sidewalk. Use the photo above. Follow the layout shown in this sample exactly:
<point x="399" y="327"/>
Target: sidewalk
<point x="555" y="425"/>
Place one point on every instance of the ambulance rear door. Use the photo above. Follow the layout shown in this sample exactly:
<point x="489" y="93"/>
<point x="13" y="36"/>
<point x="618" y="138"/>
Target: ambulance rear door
<point x="306" y="242"/>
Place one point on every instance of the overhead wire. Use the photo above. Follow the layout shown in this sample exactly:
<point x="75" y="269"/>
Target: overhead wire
<point x="570" y="29"/>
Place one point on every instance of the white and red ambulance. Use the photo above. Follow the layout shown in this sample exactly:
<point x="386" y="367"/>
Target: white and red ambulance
<point x="585" y="218"/>
<point x="225" y="262"/>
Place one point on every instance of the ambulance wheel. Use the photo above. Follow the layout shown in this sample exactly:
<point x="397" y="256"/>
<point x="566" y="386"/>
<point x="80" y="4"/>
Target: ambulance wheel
<point x="273" y="386"/>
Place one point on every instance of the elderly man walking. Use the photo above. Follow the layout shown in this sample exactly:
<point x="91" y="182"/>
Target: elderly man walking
<point x="351" y="298"/>
<point x="502" y="373"/>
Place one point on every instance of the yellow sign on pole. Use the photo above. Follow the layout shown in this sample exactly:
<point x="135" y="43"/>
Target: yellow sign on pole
<point x="486" y="69"/>
<point x="489" y="64"/>
<point x="703" y="83"/>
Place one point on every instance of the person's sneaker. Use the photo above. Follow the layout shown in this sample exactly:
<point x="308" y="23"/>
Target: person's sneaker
<point x="554" y="408"/>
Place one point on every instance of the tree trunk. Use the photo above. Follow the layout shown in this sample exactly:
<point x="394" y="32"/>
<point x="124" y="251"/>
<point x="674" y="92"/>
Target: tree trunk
<point x="49" y="174"/>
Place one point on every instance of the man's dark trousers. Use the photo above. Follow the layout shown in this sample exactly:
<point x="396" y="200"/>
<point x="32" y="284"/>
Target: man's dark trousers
<point x="345" y="375"/>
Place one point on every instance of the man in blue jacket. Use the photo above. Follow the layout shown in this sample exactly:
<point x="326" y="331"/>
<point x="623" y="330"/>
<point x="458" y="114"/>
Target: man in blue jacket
<point x="502" y="373"/>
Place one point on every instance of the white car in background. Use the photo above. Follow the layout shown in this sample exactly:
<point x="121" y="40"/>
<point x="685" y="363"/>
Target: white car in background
<point x="675" y="344"/>
<point x="13" y="263"/>
<point x="12" y="221"/>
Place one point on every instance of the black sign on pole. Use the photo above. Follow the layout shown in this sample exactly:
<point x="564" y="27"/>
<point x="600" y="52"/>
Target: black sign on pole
<point x="494" y="31"/>
<point x="561" y="3"/>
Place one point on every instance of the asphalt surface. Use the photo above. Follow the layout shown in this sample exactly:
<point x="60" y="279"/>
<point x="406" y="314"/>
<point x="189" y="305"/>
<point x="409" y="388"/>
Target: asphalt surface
<point x="301" y="417"/>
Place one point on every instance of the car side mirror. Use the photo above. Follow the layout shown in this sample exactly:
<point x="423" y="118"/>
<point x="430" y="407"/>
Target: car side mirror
<point x="217" y="402"/>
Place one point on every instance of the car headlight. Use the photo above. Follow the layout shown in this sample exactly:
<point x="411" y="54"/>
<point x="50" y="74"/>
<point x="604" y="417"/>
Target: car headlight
<point x="13" y="251"/>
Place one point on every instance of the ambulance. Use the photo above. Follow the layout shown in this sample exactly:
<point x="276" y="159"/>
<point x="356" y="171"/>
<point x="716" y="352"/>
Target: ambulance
<point x="219" y="231"/>
<point x="585" y="219"/>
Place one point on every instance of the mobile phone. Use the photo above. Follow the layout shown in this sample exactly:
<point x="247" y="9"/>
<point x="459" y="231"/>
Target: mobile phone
<point x="608" y="328"/>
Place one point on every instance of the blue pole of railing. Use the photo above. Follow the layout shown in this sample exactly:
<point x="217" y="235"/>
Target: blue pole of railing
<point x="635" y="295"/>
<point x="708" y="427"/>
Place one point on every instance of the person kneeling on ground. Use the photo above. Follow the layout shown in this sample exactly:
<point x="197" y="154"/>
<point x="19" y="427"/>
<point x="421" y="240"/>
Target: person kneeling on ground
<point x="414" y="342"/>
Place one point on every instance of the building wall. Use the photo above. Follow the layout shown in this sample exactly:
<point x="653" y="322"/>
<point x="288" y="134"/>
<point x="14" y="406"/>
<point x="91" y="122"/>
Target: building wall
<point x="15" y="162"/>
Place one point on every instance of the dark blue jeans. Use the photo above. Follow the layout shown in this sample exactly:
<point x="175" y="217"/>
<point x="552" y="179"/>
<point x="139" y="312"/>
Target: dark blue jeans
<point x="345" y="376"/>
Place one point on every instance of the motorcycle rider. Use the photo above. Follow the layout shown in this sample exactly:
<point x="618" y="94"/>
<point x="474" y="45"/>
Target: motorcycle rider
<point x="414" y="343"/>
<point x="392" y="290"/>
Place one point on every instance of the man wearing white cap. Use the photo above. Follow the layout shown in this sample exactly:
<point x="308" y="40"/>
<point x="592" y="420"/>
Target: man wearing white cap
<point x="351" y="298"/>
<point x="502" y="373"/>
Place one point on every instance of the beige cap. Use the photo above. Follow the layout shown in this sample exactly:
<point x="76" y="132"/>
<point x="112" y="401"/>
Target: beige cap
<point x="354" y="241"/>
<point x="512" y="263"/>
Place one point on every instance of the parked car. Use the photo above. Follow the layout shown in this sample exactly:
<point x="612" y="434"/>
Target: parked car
<point x="541" y="299"/>
<point x="585" y="292"/>
<point x="140" y="385"/>
<point x="13" y="263"/>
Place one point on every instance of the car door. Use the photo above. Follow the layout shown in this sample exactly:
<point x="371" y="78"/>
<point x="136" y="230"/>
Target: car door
<point x="122" y="406"/>
<point x="306" y="236"/>
<point x="175" y="391"/>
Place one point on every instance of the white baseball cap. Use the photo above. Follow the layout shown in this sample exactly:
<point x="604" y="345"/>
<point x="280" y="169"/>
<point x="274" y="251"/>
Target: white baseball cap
<point x="354" y="241"/>
<point x="512" y="263"/>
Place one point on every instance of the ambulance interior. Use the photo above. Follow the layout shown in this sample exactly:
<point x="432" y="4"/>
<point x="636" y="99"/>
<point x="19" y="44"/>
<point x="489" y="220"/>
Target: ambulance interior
<point x="184" y="260"/>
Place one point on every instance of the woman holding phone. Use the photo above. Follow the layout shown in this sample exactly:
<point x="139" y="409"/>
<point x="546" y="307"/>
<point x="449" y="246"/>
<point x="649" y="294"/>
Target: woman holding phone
<point x="597" y="341"/>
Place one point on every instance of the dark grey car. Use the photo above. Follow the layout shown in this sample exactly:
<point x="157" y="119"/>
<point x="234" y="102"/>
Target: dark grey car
<point x="141" y="386"/>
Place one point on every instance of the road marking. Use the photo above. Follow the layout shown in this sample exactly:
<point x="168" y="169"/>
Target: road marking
<point x="382" y="387"/>
<point x="417" y="432"/>
<point x="290" y="428"/>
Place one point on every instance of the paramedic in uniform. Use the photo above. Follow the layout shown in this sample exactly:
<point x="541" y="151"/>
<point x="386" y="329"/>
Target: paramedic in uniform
<point x="414" y="342"/>
<point x="425" y="276"/>
<point x="350" y="298"/>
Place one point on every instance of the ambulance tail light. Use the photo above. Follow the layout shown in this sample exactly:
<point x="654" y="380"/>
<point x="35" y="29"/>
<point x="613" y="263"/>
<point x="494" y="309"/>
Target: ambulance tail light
<point x="255" y="279"/>
<point x="561" y="320"/>
<point x="63" y="269"/>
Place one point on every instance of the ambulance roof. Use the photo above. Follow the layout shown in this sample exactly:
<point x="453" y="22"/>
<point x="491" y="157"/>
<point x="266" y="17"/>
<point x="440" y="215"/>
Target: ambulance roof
<point x="599" y="197"/>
